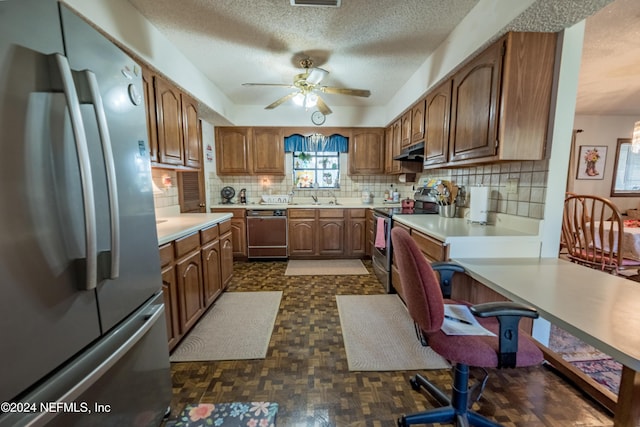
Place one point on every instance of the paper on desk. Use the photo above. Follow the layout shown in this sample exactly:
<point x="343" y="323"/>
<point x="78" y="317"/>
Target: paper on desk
<point x="455" y="327"/>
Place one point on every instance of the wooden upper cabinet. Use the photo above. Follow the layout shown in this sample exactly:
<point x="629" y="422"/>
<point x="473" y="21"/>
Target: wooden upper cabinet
<point x="405" y="123"/>
<point x="191" y="132"/>
<point x="232" y="151"/>
<point x="150" y="108"/>
<point x="169" y="122"/>
<point x="388" y="150"/>
<point x="501" y="101"/>
<point x="437" y="115"/>
<point x="366" y="151"/>
<point x="268" y="151"/>
<point x="417" y="122"/>
<point x="476" y="91"/>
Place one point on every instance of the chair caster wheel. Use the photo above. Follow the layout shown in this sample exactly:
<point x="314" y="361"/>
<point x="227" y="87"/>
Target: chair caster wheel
<point x="402" y="422"/>
<point x="414" y="384"/>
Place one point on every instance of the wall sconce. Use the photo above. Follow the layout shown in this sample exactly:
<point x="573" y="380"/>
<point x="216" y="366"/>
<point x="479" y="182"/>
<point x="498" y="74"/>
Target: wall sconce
<point x="166" y="181"/>
<point x="635" y="139"/>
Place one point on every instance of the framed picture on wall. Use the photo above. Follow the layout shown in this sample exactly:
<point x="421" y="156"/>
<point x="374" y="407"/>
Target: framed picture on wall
<point x="591" y="161"/>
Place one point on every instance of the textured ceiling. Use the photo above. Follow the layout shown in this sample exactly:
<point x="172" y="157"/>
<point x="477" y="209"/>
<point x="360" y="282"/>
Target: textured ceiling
<point x="364" y="44"/>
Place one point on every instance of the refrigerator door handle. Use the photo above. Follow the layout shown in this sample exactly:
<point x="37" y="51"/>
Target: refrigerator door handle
<point x="90" y="263"/>
<point x="89" y="93"/>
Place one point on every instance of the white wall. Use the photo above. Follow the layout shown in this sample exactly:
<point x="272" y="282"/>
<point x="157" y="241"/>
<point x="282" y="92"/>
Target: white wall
<point x="602" y="131"/>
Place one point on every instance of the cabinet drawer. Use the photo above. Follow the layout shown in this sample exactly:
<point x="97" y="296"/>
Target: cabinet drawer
<point x="208" y="234"/>
<point x="301" y="213"/>
<point x="166" y="254"/>
<point x="358" y="213"/>
<point x="187" y="244"/>
<point x="432" y="248"/>
<point x="331" y="213"/>
<point x="225" y="226"/>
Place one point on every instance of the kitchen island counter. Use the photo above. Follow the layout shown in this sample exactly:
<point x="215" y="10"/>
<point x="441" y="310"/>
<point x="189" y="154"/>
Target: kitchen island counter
<point x="508" y="236"/>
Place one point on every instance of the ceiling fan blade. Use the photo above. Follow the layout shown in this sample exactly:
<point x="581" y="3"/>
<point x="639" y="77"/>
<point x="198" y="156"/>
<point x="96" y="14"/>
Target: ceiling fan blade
<point x="316" y="75"/>
<point x="344" y="91"/>
<point x="268" y="84"/>
<point x="280" y="101"/>
<point x="323" y="107"/>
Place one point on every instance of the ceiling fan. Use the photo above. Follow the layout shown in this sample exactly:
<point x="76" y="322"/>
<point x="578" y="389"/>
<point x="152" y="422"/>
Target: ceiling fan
<point x="308" y="86"/>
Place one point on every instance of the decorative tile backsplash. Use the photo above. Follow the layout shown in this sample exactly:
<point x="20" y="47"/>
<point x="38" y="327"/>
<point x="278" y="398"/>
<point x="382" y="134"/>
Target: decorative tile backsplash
<point x="526" y="201"/>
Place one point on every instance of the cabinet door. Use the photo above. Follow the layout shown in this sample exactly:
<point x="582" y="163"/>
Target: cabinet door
<point x="170" y="296"/>
<point x="239" y="237"/>
<point x="150" y="103"/>
<point x="211" y="271"/>
<point x="226" y="259"/>
<point x="388" y="150"/>
<point x="169" y="123"/>
<point x="232" y="151"/>
<point x="191" y="131"/>
<point x="405" y="135"/>
<point x="189" y="273"/>
<point x="475" y="103"/>
<point x="331" y="236"/>
<point x="437" y="112"/>
<point x="366" y="152"/>
<point x="268" y="151"/>
<point x="357" y="237"/>
<point x="417" y="122"/>
<point x="302" y="237"/>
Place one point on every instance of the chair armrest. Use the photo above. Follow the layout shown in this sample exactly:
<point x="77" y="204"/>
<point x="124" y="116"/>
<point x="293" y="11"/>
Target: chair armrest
<point x="503" y="308"/>
<point x="446" y="270"/>
<point x="508" y="315"/>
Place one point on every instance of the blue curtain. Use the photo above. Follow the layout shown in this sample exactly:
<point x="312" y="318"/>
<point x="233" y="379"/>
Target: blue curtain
<point x="335" y="142"/>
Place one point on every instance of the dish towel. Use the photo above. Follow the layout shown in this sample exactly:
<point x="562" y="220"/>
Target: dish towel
<point x="380" y="242"/>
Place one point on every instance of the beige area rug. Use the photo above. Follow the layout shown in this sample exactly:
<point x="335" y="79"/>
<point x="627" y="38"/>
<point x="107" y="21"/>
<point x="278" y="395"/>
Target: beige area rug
<point x="379" y="335"/>
<point x="238" y="326"/>
<point x="328" y="267"/>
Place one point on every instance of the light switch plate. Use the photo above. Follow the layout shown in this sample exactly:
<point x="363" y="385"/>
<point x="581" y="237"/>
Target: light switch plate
<point x="512" y="186"/>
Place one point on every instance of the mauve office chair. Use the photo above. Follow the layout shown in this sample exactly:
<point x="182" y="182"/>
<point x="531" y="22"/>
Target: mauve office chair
<point x="425" y="303"/>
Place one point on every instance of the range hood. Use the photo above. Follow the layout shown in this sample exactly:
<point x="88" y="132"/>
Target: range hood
<point x="413" y="153"/>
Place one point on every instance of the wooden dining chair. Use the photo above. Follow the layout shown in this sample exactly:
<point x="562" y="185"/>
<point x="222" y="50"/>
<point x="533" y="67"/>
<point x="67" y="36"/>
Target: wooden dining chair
<point x="592" y="232"/>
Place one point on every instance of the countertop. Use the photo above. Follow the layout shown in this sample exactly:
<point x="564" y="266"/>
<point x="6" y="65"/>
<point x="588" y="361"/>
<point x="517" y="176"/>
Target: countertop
<point x="507" y="236"/>
<point x="599" y="308"/>
<point x="172" y="227"/>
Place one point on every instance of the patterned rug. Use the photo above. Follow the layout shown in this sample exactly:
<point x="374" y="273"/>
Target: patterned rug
<point x="588" y="359"/>
<point x="235" y="414"/>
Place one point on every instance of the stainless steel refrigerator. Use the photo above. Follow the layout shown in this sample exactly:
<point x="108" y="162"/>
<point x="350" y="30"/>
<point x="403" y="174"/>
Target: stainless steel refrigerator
<point x="83" y="333"/>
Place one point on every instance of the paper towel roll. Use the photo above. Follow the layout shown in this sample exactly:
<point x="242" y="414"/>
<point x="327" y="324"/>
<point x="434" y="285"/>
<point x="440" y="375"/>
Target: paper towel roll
<point x="479" y="204"/>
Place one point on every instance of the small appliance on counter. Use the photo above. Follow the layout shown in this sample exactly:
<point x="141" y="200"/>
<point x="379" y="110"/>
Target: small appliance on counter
<point x="227" y="194"/>
<point x="425" y="200"/>
<point x="479" y="204"/>
<point x="243" y="196"/>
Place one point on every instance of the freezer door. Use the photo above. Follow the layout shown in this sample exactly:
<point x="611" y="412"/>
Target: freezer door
<point x="123" y="380"/>
<point x="46" y="320"/>
<point x="131" y="241"/>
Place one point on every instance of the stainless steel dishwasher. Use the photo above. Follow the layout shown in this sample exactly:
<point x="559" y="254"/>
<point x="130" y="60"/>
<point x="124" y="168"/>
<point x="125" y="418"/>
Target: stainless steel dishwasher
<point x="267" y="233"/>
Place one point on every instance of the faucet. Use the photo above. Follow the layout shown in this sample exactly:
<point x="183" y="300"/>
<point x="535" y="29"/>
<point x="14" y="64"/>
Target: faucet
<point x="335" y="198"/>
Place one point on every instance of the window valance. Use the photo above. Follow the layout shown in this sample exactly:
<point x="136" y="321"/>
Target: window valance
<point x="316" y="142"/>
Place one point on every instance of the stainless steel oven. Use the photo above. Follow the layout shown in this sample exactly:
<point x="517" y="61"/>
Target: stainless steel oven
<point x="382" y="251"/>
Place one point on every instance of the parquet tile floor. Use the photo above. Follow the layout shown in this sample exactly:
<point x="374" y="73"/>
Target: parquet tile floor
<point x="306" y="371"/>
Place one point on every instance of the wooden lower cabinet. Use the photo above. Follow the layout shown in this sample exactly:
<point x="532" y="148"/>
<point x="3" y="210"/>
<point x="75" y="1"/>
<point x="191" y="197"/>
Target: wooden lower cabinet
<point x="238" y="231"/>
<point x="195" y="271"/>
<point x="170" y="296"/>
<point x="211" y="268"/>
<point x="327" y="233"/>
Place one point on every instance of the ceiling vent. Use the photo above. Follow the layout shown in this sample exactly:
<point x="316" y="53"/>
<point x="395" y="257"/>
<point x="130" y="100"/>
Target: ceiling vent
<point x="316" y="3"/>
